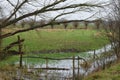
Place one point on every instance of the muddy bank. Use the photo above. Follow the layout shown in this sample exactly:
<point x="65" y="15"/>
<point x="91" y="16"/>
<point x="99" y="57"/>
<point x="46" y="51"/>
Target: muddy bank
<point x="73" y="50"/>
<point x="57" y="51"/>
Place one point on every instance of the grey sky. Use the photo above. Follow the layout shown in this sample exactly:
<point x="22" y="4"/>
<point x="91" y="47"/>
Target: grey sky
<point x="78" y="15"/>
<point x="85" y="15"/>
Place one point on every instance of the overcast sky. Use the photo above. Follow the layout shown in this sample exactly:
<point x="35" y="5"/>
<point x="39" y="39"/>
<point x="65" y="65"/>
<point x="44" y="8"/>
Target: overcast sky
<point x="79" y="15"/>
<point x="88" y="15"/>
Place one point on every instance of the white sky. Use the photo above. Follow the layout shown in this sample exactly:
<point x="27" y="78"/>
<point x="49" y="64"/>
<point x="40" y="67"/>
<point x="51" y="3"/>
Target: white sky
<point x="80" y="15"/>
<point x="85" y="15"/>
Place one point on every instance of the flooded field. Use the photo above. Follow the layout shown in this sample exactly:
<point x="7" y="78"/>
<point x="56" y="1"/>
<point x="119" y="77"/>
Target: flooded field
<point x="66" y="68"/>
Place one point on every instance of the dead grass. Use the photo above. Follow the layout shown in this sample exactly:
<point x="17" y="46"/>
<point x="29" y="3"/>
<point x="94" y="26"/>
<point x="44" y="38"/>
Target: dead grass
<point x="86" y="66"/>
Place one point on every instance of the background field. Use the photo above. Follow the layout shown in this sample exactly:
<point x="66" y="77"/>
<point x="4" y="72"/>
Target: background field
<point x="57" y="40"/>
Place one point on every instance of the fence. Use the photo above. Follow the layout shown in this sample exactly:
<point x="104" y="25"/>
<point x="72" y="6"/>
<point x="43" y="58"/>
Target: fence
<point x="48" y="68"/>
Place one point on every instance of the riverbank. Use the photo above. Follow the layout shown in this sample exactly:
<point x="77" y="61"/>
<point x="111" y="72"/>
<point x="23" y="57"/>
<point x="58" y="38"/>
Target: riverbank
<point x="112" y="73"/>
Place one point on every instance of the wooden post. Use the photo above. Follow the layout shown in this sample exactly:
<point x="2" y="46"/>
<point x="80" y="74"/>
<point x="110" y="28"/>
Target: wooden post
<point x="78" y="68"/>
<point x="46" y="69"/>
<point x="46" y="63"/>
<point x="94" y="57"/>
<point x="94" y="54"/>
<point x="73" y="68"/>
<point x="20" y="50"/>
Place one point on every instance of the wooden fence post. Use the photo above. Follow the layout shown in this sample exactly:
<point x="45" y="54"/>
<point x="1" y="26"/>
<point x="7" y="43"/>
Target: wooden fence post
<point x="78" y="67"/>
<point x="73" y="68"/>
<point x="46" y="69"/>
<point x="105" y="49"/>
<point x="20" y="50"/>
<point x="46" y="63"/>
<point x="94" y="54"/>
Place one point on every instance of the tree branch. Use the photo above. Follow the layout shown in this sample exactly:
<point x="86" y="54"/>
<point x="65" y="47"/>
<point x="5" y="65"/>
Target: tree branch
<point x="44" y="9"/>
<point x="15" y="9"/>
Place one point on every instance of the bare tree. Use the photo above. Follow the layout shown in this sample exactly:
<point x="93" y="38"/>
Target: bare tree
<point x="97" y="23"/>
<point x="75" y="24"/>
<point x="86" y="24"/>
<point x="23" y="24"/>
<point x="113" y="23"/>
<point x="31" y="23"/>
<point x="65" y="24"/>
<point x="18" y="10"/>
<point x="52" y="23"/>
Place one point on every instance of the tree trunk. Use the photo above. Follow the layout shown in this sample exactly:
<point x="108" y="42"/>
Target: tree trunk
<point x="0" y="40"/>
<point x="119" y="43"/>
<point x="119" y="37"/>
<point x="1" y="44"/>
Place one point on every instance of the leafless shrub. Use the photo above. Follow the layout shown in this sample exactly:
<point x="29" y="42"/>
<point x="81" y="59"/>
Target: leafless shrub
<point x="113" y="22"/>
<point x="75" y="24"/>
<point x="86" y="24"/>
<point x="97" y="23"/>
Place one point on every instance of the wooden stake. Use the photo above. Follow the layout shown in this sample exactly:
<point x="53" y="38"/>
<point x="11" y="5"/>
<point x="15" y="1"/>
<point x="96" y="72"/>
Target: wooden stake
<point x="73" y="68"/>
<point x="94" y="55"/>
<point x="78" y="67"/>
<point x="46" y="69"/>
<point x="20" y="50"/>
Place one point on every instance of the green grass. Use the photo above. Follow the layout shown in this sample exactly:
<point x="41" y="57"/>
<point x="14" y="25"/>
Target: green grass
<point x="113" y="73"/>
<point x="57" y="39"/>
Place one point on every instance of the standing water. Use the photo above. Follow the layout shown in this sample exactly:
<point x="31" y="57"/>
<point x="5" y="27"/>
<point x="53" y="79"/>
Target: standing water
<point x="68" y="64"/>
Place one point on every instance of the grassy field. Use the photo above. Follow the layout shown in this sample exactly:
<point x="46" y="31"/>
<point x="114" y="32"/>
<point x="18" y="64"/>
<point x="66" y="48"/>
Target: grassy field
<point x="112" y="73"/>
<point x="56" y="39"/>
<point x="59" y="39"/>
